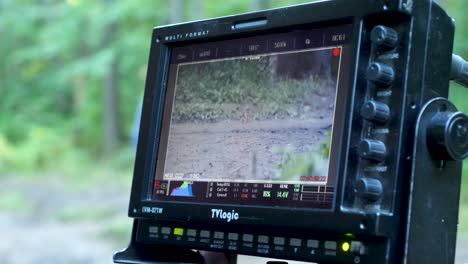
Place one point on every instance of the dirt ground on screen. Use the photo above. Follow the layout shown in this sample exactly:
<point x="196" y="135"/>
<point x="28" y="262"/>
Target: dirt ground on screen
<point x="230" y="150"/>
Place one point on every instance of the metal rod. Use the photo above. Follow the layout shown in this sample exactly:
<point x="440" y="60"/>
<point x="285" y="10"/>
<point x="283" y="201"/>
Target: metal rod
<point x="459" y="71"/>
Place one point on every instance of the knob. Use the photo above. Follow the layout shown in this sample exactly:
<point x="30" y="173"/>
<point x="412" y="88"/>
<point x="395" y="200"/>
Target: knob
<point x="384" y="37"/>
<point x="375" y="111"/>
<point x="380" y="73"/>
<point x="447" y="136"/>
<point x="368" y="188"/>
<point x="372" y="149"/>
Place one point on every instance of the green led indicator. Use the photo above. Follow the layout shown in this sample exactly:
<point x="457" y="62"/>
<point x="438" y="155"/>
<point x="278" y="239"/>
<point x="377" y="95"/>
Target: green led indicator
<point x="345" y="246"/>
<point x="266" y="194"/>
<point x="178" y="231"/>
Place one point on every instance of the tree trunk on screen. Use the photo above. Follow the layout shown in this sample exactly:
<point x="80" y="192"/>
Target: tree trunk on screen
<point x="196" y="10"/>
<point x="111" y="98"/>
<point x="176" y="11"/>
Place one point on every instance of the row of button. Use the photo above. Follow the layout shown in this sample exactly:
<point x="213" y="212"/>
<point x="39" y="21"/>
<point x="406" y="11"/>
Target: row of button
<point x="382" y="76"/>
<point x="234" y="241"/>
<point x="263" y="239"/>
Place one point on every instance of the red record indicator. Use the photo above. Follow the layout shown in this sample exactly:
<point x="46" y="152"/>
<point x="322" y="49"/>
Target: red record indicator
<point x="336" y="52"/>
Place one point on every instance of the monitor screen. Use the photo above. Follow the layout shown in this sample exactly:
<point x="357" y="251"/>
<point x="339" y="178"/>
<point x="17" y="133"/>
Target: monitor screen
<point x="249" y="120"/>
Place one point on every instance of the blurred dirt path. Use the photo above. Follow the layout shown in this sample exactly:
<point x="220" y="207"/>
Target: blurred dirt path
<point x="462" y="249"/>
<point x="24" y="242"/>
<point x="61" y="225"/>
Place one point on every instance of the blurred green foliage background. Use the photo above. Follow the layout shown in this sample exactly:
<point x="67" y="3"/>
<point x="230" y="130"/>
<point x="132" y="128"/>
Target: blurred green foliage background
<point x="72" y="73"/>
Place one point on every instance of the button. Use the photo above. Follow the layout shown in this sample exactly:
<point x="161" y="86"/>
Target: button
<point x="372" y="149"/>
<point x="368" y="188"/>
<point x="247" y="238"/>
<point x="218" y="235"/>
<point x="384" y="37"/>
<point x="280" y="44"/>
<point x="182" y="54"/>
<point x="295" y="242"/>
<point x="375" y="111"/>
<point x="228" y="50"/>
<point x="205" y="53"/>
<point x="153" y="229"/>
<point x="380" y="74"/>
<point x="263" y="239"/>
<point x="357" y="247"/>
<point x="255" y="46"/>
<point x="278" y="241"/>
<point x="312" y="243"/>
<point x="178" y="231"/>
<point x="191" y="232"/>
<point x="233" y="236"/>
<point x="205" y="233"/>
<point x="166" y="230"/>
<point x="330" y="245"/>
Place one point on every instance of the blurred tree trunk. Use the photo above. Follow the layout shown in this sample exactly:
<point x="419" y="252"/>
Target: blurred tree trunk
<point x="259" y="5"/>
<point x="196" y="10"/>
<point x="111" y="97"/>
<point x="176" y="11"/>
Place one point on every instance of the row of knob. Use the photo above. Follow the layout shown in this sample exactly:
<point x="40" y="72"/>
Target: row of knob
<point x="382" y="76"/>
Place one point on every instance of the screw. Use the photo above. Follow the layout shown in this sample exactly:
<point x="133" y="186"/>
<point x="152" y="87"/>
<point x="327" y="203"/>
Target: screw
<point x="357" y="259"/>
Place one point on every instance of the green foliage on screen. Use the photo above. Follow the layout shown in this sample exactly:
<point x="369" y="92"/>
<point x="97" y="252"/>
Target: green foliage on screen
<point x="235" y="89"/>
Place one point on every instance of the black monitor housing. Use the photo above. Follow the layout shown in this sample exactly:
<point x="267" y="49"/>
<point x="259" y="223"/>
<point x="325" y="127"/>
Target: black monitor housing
<point x="360" y="162"/>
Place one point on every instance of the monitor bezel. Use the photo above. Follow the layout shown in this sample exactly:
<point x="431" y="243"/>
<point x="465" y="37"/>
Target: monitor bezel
<point x="303" y="16"/>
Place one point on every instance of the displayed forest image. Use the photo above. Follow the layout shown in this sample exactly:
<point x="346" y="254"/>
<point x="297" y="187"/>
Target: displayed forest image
<point x="265" y="117"/>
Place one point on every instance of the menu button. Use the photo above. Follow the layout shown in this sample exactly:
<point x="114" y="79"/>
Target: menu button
<point x="205" y="53"/>
<point x="218" y="235"/>
<point x="263" y="239"/>
<point x="233" y="236"/>
<point x="312" y="243"/>
<point x="205" y="233"/>
<point x="331" y="245"/>
<point x="254" y="47"/>
<point x="247" y="238"/>
<point x="182" y="55"/>
<point x="166" y="230"/>
<point x="191" y="232"/>
<point x="339" y="37"/>
<point x="280" y="44"/>
<point x="153" y="229"/>
<point x="278" y="241"/>
<point x="295" y="242"/>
